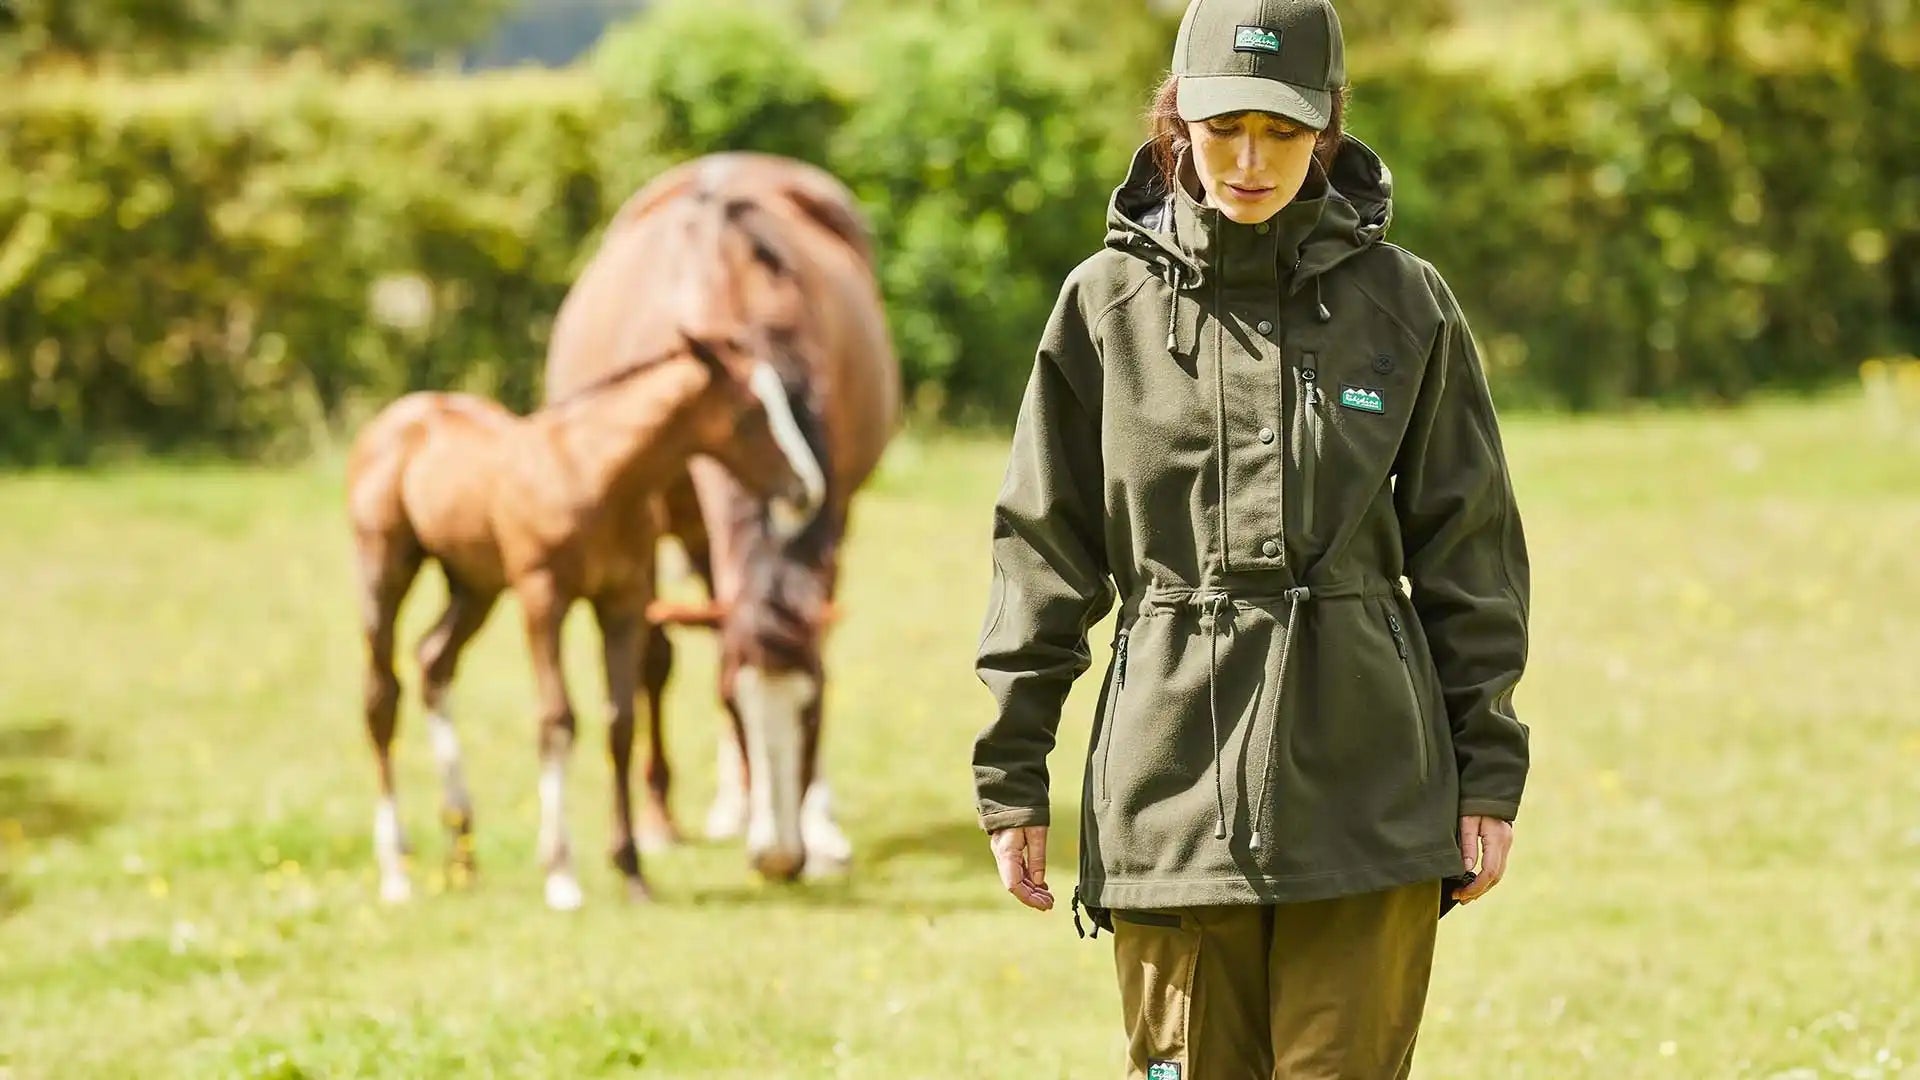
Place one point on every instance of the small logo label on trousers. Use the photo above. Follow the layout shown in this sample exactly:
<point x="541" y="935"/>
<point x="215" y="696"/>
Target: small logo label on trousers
<point x="1163" y="1070"/>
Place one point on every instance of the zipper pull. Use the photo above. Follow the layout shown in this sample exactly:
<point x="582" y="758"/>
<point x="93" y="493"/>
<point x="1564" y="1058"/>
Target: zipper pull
<point x="1399" y="643"/>
<point x="1120" y="677"/>
<point x="1309" y="376"/>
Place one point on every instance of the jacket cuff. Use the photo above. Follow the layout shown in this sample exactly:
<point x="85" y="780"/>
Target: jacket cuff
<point x="1504" y="809"/>
<point x="1014" y="818"/>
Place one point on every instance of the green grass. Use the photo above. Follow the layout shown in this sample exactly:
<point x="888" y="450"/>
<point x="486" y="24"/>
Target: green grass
<point x="1717" y="871"/>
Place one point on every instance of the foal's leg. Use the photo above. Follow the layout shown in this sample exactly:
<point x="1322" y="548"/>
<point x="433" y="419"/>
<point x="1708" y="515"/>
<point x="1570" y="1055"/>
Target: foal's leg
<point x="829" y="852"/>
<point x="439" y="655"/>
<point x="657" y="829"/>
<point x="387" y="568"/>
<point x="623" y="628"/>
<point x="727" y="816"/>
<point x="545" y="610"/>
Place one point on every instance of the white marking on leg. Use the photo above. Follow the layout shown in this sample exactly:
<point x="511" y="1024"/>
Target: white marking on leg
<point x="789" y="517"/>
<point x="556" y="853"/>
<point x="828" y="849"/>
<point x="770" y="708"/>
<point x="728" y="814"/>
<point x="446" y="753"/>
<point x="390" y="849"/>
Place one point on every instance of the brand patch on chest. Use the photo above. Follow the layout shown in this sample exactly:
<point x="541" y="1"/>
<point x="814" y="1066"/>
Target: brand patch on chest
<point x="1163" y="1070"/>
<point x="1359" y="397"/>
<point x="1253" y="39"/>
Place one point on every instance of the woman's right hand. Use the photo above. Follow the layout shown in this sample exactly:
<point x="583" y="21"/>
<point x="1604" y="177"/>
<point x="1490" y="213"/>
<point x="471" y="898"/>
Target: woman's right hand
<point x="1021" y="853"/>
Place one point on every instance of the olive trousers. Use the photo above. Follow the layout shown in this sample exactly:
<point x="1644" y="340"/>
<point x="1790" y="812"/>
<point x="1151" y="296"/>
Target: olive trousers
<point x="1327" y="990"/>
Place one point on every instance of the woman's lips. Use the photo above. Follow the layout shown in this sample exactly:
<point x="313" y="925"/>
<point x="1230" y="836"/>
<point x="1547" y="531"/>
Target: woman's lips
<point x="1249" y="194"/>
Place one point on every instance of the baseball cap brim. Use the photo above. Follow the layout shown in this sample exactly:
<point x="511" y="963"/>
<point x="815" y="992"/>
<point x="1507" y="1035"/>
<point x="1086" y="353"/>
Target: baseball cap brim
<point x="1201" y="96"/>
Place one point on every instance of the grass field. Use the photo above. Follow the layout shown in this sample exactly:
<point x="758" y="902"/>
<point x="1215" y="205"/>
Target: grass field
<point x="1717" y="871"/>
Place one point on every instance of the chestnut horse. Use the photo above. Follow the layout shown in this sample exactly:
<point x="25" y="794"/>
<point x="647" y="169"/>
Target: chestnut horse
<point x="549" y="506"/>
<point x="807" y="275"/>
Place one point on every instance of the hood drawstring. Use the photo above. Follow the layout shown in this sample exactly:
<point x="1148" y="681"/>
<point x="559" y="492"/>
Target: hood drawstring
<point x="1319" y="302"/>
<point x="1295" y="596"/>
<point x="1211" y="608"/>
<point x="1173" y="309"/>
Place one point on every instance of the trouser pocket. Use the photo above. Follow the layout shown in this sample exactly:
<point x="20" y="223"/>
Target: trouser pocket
<point x="1193" y="984"/>
<point x="1155" y="954"/>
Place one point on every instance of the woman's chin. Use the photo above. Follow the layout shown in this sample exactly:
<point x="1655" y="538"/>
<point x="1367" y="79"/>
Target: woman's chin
<point x="1242" y="212"/>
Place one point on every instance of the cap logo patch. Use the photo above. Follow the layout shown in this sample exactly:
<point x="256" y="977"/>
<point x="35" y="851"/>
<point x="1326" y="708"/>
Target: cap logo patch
<point x="1255" y="39"/>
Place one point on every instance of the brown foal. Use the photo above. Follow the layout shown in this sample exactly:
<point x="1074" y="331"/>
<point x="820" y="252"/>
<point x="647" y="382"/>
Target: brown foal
<point x="557" y="506"/>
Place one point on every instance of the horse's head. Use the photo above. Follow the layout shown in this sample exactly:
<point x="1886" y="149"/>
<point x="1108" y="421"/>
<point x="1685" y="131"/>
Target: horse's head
<point x="748" y="424"/>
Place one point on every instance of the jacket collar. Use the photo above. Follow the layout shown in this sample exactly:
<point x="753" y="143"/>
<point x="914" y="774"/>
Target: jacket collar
<point x="1261" y="256"/>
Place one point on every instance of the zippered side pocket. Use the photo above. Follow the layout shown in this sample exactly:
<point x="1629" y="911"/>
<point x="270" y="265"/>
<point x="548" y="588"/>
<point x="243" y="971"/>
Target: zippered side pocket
<point x="1113" y="709"/>
<point x="1413" y="690"/>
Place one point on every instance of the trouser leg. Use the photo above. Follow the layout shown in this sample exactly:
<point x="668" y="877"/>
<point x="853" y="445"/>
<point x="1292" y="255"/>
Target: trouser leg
<point x="1348" y="982"/>
<point x="1193" y="992"/>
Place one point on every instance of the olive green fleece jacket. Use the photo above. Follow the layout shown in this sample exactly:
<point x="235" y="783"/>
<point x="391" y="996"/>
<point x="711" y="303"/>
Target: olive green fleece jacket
<point x="1249" y="436"/>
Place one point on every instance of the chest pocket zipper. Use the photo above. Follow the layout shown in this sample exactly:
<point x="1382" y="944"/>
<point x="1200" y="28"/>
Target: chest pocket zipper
<point x="1419" y="709"/>
<point x="1113" y="708"/>
<point x="1310" y="440"/>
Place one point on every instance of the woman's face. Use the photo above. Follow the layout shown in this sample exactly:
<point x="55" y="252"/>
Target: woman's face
<point x="1251" y="164"/>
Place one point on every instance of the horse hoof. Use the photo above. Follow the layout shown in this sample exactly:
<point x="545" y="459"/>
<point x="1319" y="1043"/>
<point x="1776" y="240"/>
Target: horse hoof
<point x="777" y="865"/>
<point x="395" y="890"/>
<point x="563" y="893"/>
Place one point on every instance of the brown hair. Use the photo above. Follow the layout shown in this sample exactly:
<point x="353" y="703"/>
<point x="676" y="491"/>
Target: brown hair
<point x="1169" y="133"/>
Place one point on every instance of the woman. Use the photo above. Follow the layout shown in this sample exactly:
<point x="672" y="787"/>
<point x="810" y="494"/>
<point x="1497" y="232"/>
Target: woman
<point x="1249" y="418"/>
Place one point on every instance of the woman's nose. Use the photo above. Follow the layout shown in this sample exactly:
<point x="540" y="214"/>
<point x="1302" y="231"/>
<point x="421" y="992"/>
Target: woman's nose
<point x="1248" y="156"/>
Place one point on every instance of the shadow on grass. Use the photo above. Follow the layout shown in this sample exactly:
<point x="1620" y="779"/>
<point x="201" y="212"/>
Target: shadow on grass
<point x="933" y="868"/>
<point x="30" y="808"/>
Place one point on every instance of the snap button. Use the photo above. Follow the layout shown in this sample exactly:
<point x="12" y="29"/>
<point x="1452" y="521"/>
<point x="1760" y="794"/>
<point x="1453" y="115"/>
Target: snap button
<point x="1264" y="327"/>
<point x="1266" y="434"/>
<point x="1263" y="228"/>
<point x="1271" y="549"/>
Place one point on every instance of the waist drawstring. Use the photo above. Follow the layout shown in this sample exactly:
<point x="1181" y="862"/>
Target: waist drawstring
<point x="1173" y="311"/>
<point x="1211" y="607"/>
<point x="1295" y="596"/>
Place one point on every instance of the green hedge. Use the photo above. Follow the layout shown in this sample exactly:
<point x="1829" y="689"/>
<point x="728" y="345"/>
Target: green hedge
<point x="230" y="262"/>
<point x="243" y="262"/>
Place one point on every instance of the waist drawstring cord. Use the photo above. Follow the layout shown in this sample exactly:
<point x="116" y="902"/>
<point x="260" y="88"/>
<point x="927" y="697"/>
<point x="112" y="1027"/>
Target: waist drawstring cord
<point x="1211" y="608"/>
<point x="1295" y="597"/>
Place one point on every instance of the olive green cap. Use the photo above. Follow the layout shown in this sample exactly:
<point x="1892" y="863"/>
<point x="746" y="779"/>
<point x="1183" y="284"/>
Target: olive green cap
<point x="1276" y="56"/>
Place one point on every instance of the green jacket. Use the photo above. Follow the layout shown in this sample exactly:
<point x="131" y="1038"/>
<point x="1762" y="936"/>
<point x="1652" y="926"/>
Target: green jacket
<point x="1248" y="435"/>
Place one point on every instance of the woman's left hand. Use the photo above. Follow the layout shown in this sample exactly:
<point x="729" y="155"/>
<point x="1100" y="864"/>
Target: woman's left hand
<point x="1490" y="838"/>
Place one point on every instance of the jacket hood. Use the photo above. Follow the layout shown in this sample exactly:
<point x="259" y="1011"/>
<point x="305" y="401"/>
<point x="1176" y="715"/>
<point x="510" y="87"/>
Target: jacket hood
<point x="1340" y="213"/>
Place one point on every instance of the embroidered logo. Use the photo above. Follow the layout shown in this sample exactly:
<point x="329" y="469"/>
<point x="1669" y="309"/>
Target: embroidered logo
<point x="1359" y="397"/>
<point x="1163" y="1070"/>
<point x="1253" y="39"/>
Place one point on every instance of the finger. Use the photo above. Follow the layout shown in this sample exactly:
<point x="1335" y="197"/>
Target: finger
<point x="1038" y="899"/>
<point x="1492" y="862"/>
<point x="1037" y="858"/>
<point x="1498" y="842"/>
<point x="1469" y="841"/>
<point x="1013" y="869"/>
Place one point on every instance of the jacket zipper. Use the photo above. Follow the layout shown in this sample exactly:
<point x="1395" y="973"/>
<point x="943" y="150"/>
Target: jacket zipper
<point x="1113" y="708"/>
<point x="1310" y="449"/>
<point x="1419" y="709"/>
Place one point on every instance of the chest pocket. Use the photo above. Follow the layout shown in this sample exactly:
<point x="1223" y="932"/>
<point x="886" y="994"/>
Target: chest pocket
<point x="1354" y="401"/>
